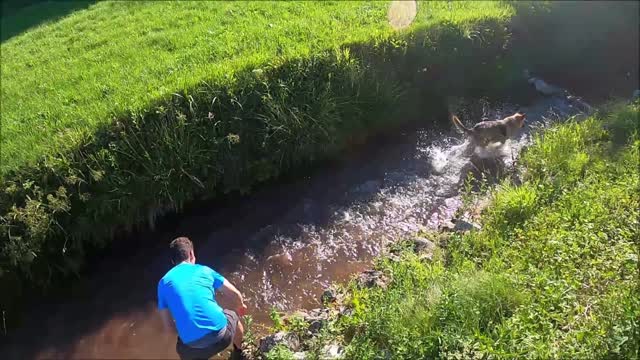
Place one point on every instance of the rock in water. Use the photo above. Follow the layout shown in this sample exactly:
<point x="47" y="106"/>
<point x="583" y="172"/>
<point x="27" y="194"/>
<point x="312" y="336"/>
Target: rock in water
<point x="545" y="89"/>
<point x="328" y="296"/>
<point x="581" y="104"/>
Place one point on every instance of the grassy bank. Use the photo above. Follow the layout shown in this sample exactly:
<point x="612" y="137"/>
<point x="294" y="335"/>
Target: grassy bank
<point x="149" y="113"/>
<point x="553" y="273"/>
<point x="63" y="80"/>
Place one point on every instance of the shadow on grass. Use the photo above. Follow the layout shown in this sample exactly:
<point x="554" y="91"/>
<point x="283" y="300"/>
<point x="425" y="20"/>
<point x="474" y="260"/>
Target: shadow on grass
<point x="18" y="18"/>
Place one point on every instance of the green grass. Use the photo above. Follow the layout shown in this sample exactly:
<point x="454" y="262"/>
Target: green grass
<point x="552" y="274"/>
<point x="64" y="79"/>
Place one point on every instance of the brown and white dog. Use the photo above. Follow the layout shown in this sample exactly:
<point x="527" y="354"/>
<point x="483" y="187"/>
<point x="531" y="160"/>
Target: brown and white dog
<point x="495" y="131"/>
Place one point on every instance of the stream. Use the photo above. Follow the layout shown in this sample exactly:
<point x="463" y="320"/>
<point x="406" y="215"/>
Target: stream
<point x="284" y="244"/>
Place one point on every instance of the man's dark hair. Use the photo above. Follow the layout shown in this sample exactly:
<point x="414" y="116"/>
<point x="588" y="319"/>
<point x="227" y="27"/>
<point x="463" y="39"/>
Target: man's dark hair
<point x="180" y="249"/>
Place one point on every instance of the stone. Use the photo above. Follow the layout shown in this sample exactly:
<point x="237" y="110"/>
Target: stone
<point x="316" y="319"/>
<point x="447" y="226"/>
<point x="422" y="245"/>
<point x="426" y="256"/>
<point x="462" y="226"/>
<point x="345" y="311"/>
<point x="545" y="89"/>
<point x="287" y="339"/>
<point x="249" y="352"/>
<point x="316" y="325"/>
<point x="580" y="104"/>
<point x="319" y="313"/>
<point x="458" y="225"/>
<point x="328" y="296"/>
<point x="301" y="355"/>
<point x="371" y="278"/>
<point x="393" y="257"/>
<point x="331" y="352"/>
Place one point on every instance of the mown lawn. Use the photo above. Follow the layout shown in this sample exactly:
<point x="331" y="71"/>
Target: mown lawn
<point x="62" y="80"/>
<point x="552" y="274"/>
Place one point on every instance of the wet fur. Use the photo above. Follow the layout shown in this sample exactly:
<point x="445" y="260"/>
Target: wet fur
<point x="495" y="131"/>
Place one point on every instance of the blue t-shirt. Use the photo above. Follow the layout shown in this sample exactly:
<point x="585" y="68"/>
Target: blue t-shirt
<point x="188" y="290"/>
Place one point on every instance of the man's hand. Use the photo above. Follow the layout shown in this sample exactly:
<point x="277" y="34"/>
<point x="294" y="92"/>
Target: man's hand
<point x="242" y="310"/>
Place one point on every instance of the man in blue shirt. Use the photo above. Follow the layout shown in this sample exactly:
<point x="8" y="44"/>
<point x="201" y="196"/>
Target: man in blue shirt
<point x="187" y="291"/>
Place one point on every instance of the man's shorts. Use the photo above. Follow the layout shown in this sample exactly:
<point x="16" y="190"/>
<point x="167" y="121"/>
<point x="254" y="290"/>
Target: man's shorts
<point x="210" y="344"/>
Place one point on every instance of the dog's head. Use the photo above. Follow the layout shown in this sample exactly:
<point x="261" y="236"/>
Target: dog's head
<point x="519" y="117"/>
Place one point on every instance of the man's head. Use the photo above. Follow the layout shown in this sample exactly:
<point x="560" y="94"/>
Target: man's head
<point x="182" y="250"/>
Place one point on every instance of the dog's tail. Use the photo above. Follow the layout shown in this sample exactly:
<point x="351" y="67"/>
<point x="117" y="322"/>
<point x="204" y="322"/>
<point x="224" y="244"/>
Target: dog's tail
<point x="459" y="125"/>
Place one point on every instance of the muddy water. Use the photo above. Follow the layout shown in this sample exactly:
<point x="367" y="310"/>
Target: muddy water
<point x="283" y="245"/>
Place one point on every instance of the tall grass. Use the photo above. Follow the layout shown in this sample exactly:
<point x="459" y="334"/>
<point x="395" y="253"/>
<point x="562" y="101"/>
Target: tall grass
<point x="552" y="274"/>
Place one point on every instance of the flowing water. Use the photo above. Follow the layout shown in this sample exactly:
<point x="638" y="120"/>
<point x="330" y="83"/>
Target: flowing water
<point x="284" y="244"/>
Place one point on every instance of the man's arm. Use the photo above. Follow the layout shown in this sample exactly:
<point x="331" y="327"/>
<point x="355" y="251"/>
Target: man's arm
<point x="239" y="301"/>
<point x="167" y="321"/>
<point x="165" y="315"/>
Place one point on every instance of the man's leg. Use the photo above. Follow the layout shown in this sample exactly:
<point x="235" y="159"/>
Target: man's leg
<point x="187" y="353"/>
<point x="238" y="336"/>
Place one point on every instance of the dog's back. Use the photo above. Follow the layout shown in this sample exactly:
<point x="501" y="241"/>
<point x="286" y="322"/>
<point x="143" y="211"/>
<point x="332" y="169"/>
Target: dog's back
<point x="493" y="131"/>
